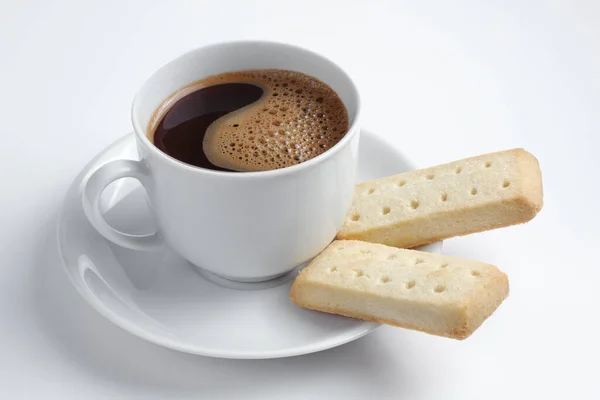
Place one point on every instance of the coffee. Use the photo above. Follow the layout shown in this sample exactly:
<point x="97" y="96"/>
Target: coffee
<point x="254" y="120"/>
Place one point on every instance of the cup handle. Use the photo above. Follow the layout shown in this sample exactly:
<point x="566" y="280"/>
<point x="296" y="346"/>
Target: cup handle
<point x="94" y="187"/>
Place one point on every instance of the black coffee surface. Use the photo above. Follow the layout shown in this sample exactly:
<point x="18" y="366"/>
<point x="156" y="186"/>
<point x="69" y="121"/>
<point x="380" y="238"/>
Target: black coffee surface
<point x="181" y="131"/>
<point x="255" y="120"/>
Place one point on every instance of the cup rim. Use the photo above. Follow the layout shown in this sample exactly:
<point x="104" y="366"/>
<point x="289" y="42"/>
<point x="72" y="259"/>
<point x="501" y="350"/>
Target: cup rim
<point x="352" y="129"/>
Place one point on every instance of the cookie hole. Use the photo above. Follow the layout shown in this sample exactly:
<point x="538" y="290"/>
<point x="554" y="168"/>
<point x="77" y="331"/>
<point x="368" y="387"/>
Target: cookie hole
<point x="419" y="261"/>
<point x="505" y="184"/>
<point x="392" y="257"/>
<point x="410" y="284"/>
<point x="475" y="273"/>
<point x="333" y="269"/>
<point x="488" y="164"/>
<point x="430" y="176"/>
<point x="371" y="191"/>
<point x="474" y="191"/>
<point x="355" y="217"/>
<point x="444" y="196"/>
<point x="414" y="204"/>
<point x="444" y="265"/>
<point x="401" y="183"/>
<point x="367" y="252"/>
<point x="458" y="170"/>
<point x="340" y="248"/>
<point x="385" y="279"/>
<point x="386" y="210"/>
<point x="236" y="125"/>
<point x="439" y="288"/>
<point x="359" y="273"/>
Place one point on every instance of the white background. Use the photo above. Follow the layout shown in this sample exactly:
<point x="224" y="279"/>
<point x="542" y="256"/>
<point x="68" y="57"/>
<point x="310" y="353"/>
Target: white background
<point x="439" y="81"/>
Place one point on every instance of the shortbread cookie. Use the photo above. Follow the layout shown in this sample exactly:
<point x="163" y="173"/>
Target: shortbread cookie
<point x="462" y="197"/>
<point x="441" y="295"/>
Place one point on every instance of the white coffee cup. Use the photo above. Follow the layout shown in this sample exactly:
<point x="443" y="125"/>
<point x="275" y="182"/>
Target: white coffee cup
<point x="249" y="226"/>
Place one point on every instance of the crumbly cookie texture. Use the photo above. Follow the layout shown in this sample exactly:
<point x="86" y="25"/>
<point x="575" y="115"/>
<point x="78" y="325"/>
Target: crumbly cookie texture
<point x="433" y="293"/>
<point x="467" y="196"/>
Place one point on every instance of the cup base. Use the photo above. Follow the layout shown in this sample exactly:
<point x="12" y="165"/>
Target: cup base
<point x="249" y="284"/>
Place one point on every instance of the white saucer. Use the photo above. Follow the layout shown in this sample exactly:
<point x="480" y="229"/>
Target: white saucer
<point x="160" y="297"/>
